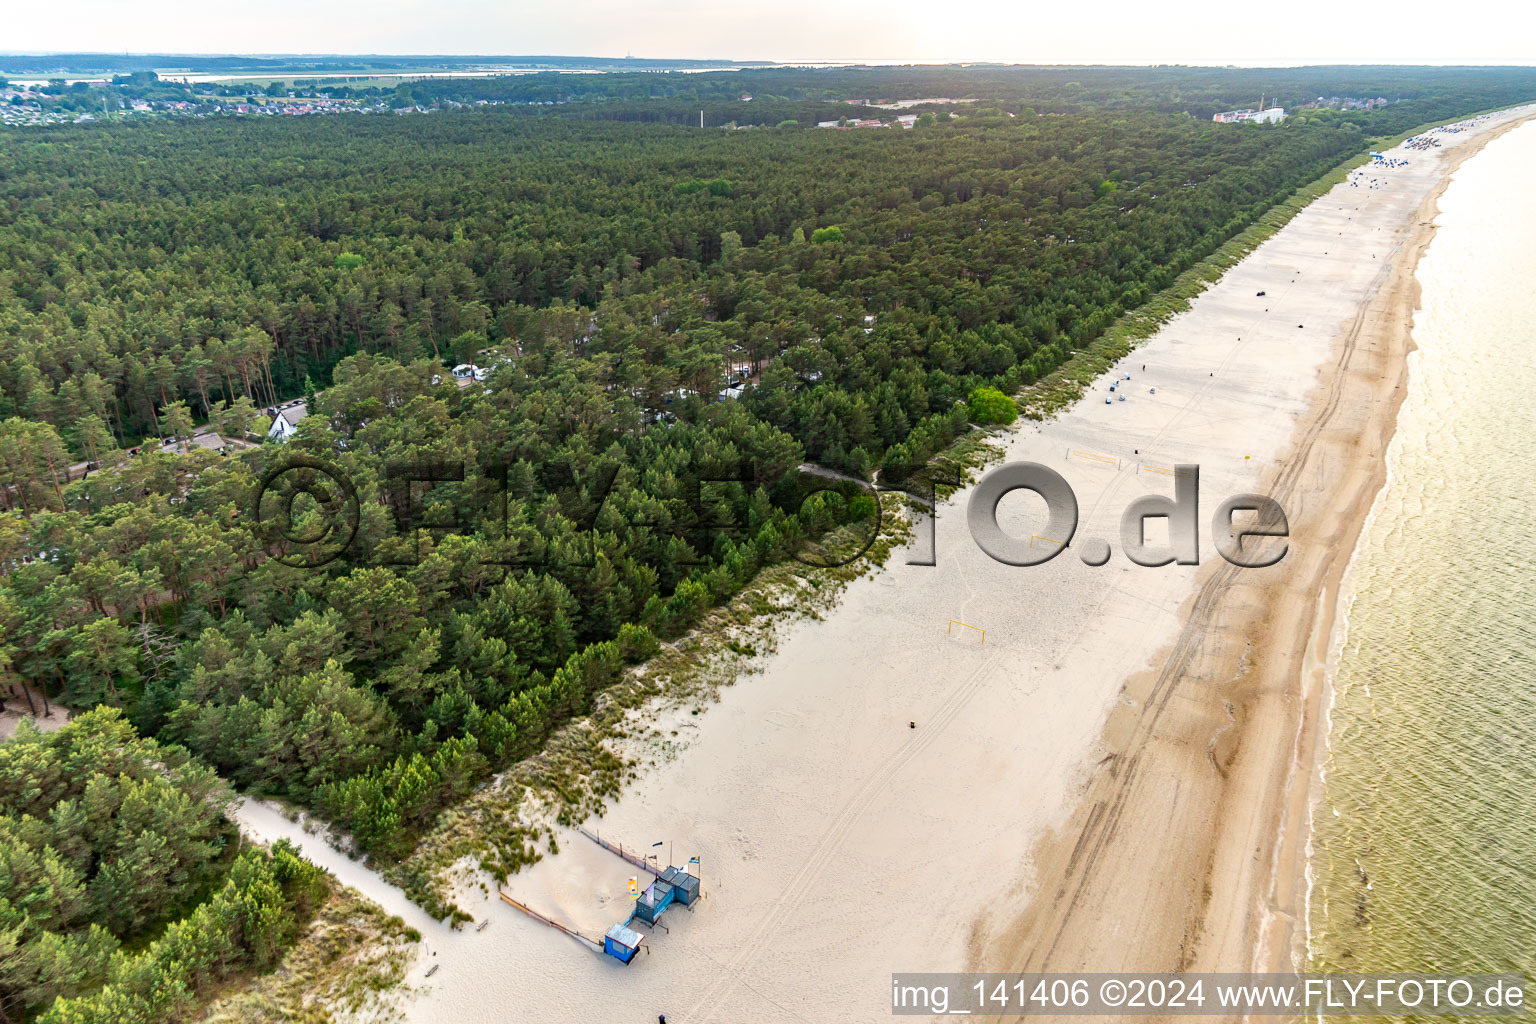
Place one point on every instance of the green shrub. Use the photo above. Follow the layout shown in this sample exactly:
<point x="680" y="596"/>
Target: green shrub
<point x="636" y="642"/>
<point x="989" y="405"/>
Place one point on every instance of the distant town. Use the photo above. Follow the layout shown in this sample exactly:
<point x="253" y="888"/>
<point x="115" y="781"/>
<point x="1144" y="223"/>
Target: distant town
<point x="147" y="94"/>
<point x="143" y="94"/>
<point x="62" y="89"/>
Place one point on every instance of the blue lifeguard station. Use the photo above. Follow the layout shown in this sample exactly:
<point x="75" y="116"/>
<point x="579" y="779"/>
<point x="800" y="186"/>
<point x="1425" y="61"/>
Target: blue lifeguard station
<point x="674" y="885"/>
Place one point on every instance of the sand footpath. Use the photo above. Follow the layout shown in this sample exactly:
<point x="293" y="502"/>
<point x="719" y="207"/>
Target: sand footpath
<point x="1099" y="783"/>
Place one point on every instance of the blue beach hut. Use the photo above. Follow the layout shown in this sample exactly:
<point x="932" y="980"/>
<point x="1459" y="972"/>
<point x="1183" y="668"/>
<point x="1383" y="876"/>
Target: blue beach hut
<point x="621" y="943"/>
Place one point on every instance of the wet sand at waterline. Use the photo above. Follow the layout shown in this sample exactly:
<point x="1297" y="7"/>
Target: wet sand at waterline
<point x="1098" y="784"/>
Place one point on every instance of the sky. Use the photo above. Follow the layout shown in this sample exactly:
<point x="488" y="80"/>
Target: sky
<point x="921" y="31"/>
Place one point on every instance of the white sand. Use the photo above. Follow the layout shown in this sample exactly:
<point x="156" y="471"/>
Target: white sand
<point x="838" y="845"/>
<point x="16" y="709"/>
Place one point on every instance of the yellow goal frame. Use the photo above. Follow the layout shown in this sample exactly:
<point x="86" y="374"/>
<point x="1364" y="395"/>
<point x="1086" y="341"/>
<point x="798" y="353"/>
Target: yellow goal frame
<point x="956" y="622"/>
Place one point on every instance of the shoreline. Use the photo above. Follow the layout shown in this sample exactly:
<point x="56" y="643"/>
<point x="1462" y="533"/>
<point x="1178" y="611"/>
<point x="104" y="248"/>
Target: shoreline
<point x="1290" y="885"/>
<point x="1242" y="911"/>
<point x="1330" y="632"/>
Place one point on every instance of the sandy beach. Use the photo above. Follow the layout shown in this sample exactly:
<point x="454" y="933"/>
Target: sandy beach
<point x="1213" y="768"/>
<point x="1115" y="777"/>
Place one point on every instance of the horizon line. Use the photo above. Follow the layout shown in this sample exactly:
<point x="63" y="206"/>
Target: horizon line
<point x="747" y="64"/>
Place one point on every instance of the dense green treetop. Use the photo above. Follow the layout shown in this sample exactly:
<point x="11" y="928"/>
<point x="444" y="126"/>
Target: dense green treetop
<point x="103" y="836"/>
<point x="864" y="294"/>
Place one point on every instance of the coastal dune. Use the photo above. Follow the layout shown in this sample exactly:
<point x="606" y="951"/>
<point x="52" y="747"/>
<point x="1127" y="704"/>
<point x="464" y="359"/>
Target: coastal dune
<point x="1113" y="777"/>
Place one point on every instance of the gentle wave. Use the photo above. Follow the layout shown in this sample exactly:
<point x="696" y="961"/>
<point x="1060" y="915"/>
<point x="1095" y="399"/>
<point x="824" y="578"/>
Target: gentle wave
<point x="1421" y="854"/>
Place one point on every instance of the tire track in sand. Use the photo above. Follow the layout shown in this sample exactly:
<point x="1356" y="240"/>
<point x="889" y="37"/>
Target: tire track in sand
<point x="1103" y="821"/>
